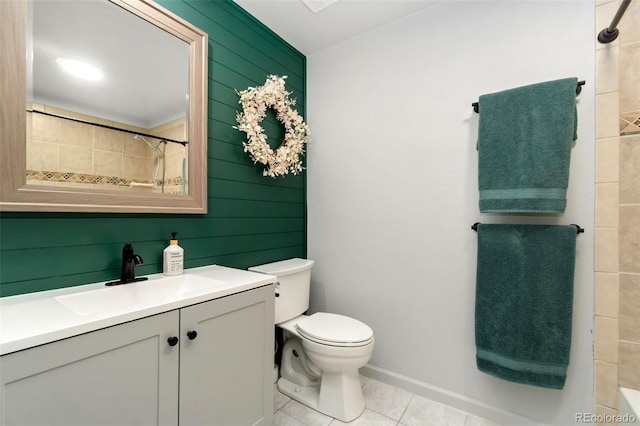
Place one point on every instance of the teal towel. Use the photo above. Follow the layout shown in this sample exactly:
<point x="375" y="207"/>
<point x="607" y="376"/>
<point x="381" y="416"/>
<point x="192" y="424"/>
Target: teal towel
<point x="524" y="145"/>
<point x="524" y="298"/>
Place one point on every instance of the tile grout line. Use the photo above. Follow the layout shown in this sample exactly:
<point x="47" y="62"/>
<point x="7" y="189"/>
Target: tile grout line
<point x="467" y="416"/>
<point x="405" y="409"/>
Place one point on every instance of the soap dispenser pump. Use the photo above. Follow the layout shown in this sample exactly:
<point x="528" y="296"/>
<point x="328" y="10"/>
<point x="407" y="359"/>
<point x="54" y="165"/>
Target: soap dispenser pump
<point x="173" y="257"/>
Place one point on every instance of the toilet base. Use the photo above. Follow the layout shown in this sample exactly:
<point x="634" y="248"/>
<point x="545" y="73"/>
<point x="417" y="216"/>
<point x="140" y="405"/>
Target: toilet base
<point x="339" y="395"/>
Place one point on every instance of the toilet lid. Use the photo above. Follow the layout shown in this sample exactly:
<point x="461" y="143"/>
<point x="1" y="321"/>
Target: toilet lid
<point x="334" y="328"/>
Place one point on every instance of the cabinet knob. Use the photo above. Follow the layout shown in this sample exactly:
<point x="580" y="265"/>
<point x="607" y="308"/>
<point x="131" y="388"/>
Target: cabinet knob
<point x="172" y="341"/>
<point x="192" y="334"/>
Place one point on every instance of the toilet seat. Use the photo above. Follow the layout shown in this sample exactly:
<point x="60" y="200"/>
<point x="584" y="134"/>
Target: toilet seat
<point x="334" y="330"/>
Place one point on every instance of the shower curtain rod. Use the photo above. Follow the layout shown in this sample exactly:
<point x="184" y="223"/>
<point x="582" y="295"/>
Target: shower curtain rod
<point x="77" y="120"/>
<point x="611" y="32"/>
<point x="579" y="230"/>
<point x="476" y="105"/>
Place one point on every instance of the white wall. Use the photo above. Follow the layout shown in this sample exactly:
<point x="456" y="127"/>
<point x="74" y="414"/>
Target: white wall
<point x="392" y="191"/>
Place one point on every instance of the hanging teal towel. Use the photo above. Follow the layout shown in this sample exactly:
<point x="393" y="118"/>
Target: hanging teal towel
<point x="524" y="298"/>
<point x="524" y="146"/>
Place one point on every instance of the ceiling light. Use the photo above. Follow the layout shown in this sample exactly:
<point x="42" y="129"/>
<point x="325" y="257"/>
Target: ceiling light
<point x="80" y="69"/>
<point x="317" y="5"/>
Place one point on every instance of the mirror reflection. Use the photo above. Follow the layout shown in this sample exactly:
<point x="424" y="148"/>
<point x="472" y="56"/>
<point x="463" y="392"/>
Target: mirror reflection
<point x="107" y="99"/>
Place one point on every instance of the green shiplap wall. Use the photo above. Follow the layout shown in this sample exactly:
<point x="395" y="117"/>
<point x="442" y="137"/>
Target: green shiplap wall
<point x="251" y="219"/>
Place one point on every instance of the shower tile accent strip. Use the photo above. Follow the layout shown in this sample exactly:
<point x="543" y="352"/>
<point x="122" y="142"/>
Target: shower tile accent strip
<point x="48" y="176"/>
<point x="630" y="123"/>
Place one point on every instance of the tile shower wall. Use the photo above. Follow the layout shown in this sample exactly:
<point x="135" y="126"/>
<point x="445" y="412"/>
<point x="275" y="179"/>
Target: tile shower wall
<point x="251" y="219"/>
<point x="68" y="153"/>
<point x="617" y="263"/>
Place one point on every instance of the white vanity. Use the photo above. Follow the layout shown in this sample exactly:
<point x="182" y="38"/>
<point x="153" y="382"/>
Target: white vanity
<point x="196" y="349"/>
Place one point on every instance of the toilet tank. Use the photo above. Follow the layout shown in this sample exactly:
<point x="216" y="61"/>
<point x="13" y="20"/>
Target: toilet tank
<point x="294" y="282"/>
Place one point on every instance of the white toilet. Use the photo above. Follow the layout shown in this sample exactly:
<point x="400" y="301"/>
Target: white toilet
<point x="322" y="352"/>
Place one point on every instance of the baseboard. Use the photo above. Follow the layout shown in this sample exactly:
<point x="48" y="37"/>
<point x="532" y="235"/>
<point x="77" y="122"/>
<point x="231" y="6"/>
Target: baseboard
<point x="461" y="402"/>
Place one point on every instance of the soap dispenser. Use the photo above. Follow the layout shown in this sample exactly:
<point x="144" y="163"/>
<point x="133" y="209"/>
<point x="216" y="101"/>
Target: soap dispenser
<point x="173" y="257"/>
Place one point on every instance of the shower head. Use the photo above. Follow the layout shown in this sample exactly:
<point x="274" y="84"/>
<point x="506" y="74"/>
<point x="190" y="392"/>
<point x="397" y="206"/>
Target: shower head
<point x="143" y="139"/>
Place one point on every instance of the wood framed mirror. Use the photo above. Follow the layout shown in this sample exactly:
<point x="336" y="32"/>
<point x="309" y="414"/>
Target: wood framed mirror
<point x="143" y="153"/>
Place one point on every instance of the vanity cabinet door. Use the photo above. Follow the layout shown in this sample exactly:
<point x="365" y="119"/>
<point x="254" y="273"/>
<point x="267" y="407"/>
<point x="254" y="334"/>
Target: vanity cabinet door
<point x="121" y="375"/>
<point x="226" y="366"/>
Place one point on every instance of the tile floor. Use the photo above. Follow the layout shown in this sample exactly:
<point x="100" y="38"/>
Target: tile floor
<point x="386" y="405"/>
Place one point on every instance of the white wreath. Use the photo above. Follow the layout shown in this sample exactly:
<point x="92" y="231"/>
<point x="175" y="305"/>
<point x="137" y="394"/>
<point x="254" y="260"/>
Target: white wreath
<point x="255" y="102"/>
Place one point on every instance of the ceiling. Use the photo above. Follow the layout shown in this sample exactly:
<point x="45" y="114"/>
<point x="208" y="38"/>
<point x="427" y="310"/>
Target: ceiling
<point x="311" y="32"/>
<point x="146" y="69"/>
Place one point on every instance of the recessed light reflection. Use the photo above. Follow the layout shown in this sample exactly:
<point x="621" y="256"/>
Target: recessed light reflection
<point x="80" y="69"/>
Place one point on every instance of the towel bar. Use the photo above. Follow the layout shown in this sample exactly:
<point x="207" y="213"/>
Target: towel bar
<point x="579" y="230"/>
<point x="476" y="105"/>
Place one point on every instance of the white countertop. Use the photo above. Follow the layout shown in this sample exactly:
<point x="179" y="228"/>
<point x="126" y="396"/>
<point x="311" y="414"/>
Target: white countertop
<point x="37" y="318"/>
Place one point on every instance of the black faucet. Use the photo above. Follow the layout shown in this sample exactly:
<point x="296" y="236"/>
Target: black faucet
<point x="129" y="261"/>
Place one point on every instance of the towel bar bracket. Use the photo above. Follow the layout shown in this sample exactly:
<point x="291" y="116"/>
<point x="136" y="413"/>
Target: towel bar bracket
<point x="476" y="105"/>
<point x="579" y="230"/>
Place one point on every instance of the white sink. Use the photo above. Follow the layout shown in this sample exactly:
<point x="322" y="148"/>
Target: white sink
<point x="33" y="319"/>
<point x="151" y="292"/>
